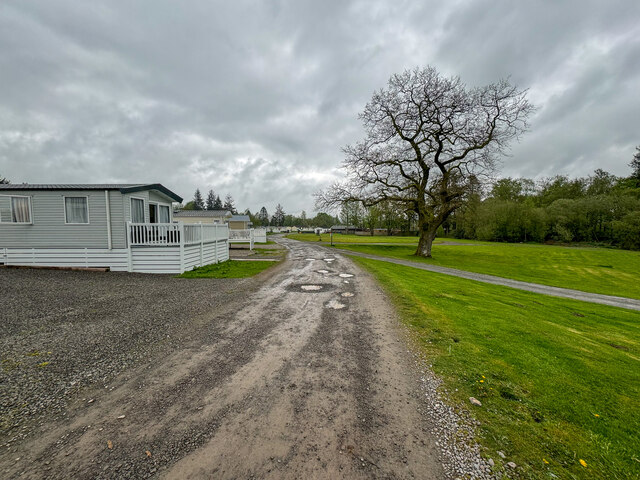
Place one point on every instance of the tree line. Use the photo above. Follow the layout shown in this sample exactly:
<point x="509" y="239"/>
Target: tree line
<point x="600" y="208"/>
<point x="282" y="219"/>
<point x="212" y="202"/>
<point x="262" y="217"/>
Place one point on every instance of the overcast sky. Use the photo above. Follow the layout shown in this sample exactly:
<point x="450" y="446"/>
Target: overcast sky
<point x="258" y="98"/>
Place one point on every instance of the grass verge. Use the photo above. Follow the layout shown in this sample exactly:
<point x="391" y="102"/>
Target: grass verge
<point x="559" y="380"/>
<point x="598" y="270"/>
<point x="229" y="269"/>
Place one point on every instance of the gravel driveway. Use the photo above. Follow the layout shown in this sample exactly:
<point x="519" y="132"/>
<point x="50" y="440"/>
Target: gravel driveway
<point x="66" y="330"/>
<point x="307" y="376"/>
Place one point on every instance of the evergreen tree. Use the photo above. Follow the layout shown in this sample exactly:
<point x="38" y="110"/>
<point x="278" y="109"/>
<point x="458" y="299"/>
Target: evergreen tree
<point x="229" y="204"/>
<point x="263" y="216"/>
<point x="198" y="203"/>
<point x="217" y="204"/>
<point x="4" y="180"/>
<point x="211" y="200"/>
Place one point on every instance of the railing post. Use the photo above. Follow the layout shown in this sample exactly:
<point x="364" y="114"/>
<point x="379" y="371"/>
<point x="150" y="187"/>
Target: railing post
<point x="201" y="245"/>
<point x="215" y="244"/>
<point x="181" y="237"/>
<point x="129" y="256"/>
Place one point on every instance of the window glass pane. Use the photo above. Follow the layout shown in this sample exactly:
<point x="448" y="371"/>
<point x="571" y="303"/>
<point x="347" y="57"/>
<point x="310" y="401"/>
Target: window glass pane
<point x="76" y="209"/>
<point x="164" y="214"/>
<point x="153" y="213"/>
<point x="137" y="210"/>
<point x="20" y="210"/>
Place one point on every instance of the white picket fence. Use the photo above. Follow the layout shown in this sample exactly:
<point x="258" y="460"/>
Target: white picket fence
<point x="175" y="248"/>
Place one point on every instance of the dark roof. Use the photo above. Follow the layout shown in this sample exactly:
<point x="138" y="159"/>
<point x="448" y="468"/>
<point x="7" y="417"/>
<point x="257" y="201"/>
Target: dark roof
<point x="201" y="213"/>
<point x="240" y="218"/>
<point x="343" y="227"/>
<point x="122" y="187"/>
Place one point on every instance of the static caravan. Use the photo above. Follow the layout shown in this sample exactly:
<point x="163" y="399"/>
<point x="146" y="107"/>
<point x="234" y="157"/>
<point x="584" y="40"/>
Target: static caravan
<point x="202" y="216"/>
<point x="124" y="227"/>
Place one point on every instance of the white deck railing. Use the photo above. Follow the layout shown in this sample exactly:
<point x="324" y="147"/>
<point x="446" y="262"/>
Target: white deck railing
<point x="242" y="236"/>
<point x="171" y="234"/>
<point x="157" y="234"/>
<point x="204" y="233"/>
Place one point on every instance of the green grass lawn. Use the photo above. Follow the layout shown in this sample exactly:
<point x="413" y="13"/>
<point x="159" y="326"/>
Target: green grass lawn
<point x="559" y="380"/>
<point x="597" y="270"/>
<point x="339" y="238"/>
<point x="229" y="269"/>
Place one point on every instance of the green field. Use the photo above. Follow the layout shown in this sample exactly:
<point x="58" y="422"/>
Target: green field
<point x="559" y="380"/>
<point x="597" y="270"/>
<point x="339" y="238"/>
<point x="229" y="269"/>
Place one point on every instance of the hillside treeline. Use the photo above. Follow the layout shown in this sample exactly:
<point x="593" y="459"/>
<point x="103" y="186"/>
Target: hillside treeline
<point x="601" y="208"/>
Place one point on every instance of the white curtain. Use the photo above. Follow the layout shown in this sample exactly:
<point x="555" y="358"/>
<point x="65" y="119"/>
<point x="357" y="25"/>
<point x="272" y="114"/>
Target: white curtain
<point x="76" y="209"/>
<point x="137" y="210"/>
<point x="164" y="214"/>
<point x="20" y="209"/>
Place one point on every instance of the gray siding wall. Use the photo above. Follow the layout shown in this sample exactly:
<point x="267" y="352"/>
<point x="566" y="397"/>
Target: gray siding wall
<point x="49" y="229"/>
<point x="118" y="223"/>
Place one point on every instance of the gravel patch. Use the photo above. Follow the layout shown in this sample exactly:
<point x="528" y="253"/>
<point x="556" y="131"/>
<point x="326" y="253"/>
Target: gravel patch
<point x="65" y="330"/>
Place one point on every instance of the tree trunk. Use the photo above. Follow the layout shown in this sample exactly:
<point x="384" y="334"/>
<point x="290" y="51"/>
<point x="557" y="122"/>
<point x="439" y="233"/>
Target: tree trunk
<point x="426" y="241"/>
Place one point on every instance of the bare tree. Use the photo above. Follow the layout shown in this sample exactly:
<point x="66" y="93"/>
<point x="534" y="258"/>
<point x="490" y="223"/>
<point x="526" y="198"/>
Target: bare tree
<point x="427" y="138"/>
<point x="278" y="217"/>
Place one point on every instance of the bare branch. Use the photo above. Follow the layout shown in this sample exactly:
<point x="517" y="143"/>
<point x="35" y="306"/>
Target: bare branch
<point x="429" y="141"/>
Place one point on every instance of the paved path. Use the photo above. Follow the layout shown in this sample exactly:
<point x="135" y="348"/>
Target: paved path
<point x="622" y="302"/>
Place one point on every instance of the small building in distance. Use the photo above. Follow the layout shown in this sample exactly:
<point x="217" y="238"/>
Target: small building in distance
<point x="202" y="216"/>
<point x="343" y="229"/>
<point x="240" y="222"/>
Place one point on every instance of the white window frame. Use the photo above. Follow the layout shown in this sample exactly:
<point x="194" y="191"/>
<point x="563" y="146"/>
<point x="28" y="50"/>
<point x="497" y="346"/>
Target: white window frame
<point x="161" y="204"/>
<point x="144" y="209"/>
<point x="64" y="206"/>
<point x="30" y="198"/>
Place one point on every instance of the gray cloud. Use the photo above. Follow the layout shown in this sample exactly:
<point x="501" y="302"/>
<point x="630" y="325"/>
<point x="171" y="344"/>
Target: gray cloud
<point x="257" y="98"/>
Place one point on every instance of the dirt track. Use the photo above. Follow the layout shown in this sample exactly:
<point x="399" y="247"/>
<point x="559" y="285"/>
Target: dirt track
<point x="313" y="383"/>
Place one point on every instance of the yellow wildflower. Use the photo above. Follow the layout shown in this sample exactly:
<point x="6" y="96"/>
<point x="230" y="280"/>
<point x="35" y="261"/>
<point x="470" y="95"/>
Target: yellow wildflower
<point x="583" y="463"/>
<point x="596" y="415"/>
<point x="481" y="381"/>
<point x="545" y="461"/>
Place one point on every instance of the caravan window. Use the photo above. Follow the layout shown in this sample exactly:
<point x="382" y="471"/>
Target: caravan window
<point x="137" y="210"/>
<point x="76" y="210"/>
<point x="15" y="209"/>
<point x="164" y="214"/>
